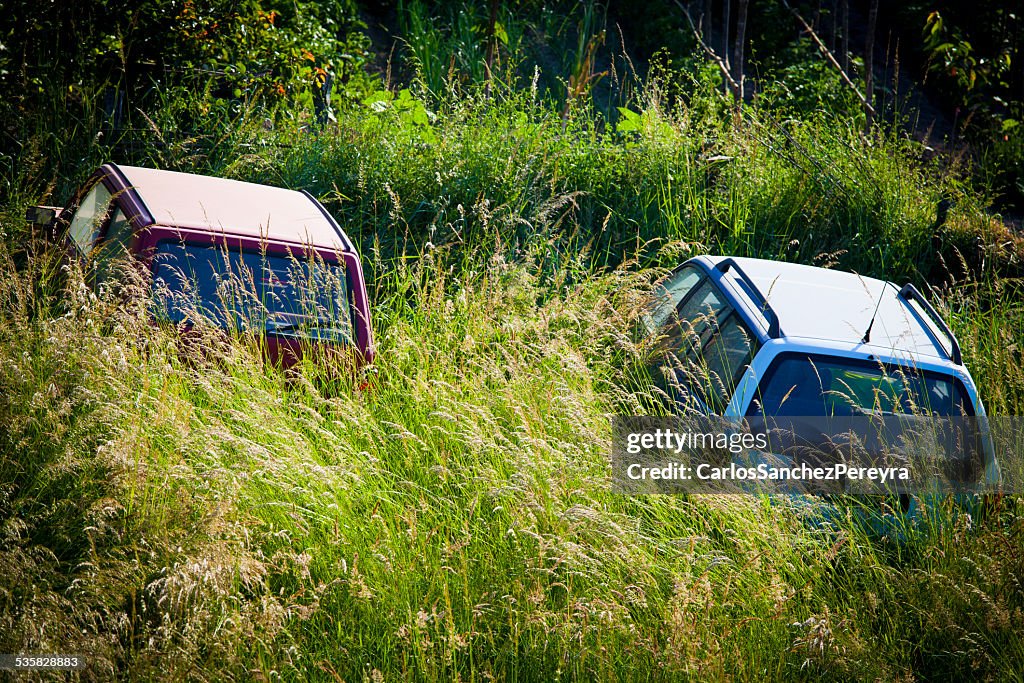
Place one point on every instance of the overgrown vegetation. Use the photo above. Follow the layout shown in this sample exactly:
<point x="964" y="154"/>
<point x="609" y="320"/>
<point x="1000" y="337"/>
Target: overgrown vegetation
<point x="183" y="515"/>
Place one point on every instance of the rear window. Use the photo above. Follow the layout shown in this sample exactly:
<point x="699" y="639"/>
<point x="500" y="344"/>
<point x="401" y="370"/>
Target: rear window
<point x="288" y="295"/>
<point x="815" y="385"/>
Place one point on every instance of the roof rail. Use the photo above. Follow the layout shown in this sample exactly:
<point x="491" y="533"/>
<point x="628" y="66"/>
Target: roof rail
<point x="909" y="292"/>
<point x="774" y="329"/>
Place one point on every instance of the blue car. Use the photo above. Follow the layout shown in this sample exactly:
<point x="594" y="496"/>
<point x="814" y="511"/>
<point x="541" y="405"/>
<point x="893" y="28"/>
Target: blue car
<point x="796" y="350"/>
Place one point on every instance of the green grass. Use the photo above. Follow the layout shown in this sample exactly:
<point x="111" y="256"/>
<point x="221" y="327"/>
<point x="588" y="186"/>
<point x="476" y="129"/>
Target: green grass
<point x="176" y="514"/>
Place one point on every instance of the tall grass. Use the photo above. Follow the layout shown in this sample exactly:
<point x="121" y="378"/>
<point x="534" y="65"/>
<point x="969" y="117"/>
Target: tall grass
<point x="202" y="517"/>
<point x="754" y="185"/>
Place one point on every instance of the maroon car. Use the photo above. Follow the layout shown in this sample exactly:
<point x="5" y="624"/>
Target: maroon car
<point x="245" y="256"/>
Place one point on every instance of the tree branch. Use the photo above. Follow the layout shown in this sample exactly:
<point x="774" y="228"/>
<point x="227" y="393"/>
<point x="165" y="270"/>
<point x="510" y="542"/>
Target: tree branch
<point x="831" y="59"/>
<point x="722" y="66"/>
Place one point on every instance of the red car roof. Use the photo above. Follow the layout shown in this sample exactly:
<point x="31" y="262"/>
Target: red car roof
<point x="233" y="207"/>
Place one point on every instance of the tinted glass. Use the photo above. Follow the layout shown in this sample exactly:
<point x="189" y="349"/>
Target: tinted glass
<point x="728" y="352"/>
<point x="705" y="349"/>
<point x="246" y="290"/>
<point x="803" y="385"/>
<point x="701" y="309"/>
<point x="687" y="328"/>
<point x="115" y="245"/>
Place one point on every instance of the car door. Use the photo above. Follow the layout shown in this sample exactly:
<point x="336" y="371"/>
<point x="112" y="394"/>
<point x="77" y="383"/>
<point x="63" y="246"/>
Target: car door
<point x="113" y="246"/>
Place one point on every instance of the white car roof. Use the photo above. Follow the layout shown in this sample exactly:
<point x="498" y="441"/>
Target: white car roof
<point x="837" y="306"/>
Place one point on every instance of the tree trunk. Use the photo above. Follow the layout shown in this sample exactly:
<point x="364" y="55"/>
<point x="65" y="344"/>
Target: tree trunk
<point x="726" y="21"/>
<point x="706" y="22"/>
<point x="844" y="10"/>
<point x="1018" y="59"/>
<point x="739" y="47"/>
<point x="834" y="35"/>
<point x="869" y="64"/>
<point x="492" y="40"/>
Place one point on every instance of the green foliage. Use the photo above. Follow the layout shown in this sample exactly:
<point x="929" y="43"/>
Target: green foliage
<point x="198" y="516"/>
<point x="803" y="83"/>
<point x="758" y="185"/>
<point x="447" y="47"/>
<point x="435" y="31"/>
<point x="972" y="54"/>
<point x="953" y="58"/>
<point x="102" y="67"/>
<point x="270" y="51"/>
<point x="262" y="50"/>
<point x="404" y="113"/>
<point x="1001" y="163"/>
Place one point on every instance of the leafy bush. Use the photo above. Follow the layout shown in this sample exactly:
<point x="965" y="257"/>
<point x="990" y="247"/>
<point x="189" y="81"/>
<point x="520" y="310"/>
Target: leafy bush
<point x="95" y="75"/>
<point x="1001" y="164"/>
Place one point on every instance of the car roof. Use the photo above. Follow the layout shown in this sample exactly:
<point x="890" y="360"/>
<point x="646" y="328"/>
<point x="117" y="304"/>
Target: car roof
<point x="233" y="207"/>
<point x="837" y="306"/>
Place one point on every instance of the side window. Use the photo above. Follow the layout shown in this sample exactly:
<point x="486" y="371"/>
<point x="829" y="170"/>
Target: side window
<point x="697" y="316"/>
<point x="728" y="352"/>
<point x="89" y="218"/>
<point x="794" y="385"/>
<point x="707" y="346"/>
<point x="115" y="245"/>
<point x="946" y="396"/>
<point x="669" y="293"/>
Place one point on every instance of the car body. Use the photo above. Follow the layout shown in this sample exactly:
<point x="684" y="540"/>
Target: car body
<point x="243" y="255"/>
<point x="759" y="341"/>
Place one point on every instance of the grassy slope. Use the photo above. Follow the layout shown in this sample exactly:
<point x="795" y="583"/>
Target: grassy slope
<point x="177" y="516"/>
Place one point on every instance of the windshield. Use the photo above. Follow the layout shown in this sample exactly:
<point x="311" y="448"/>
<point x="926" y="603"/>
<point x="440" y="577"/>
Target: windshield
<point x="288" y="295"/>
<point x="812" y="385"/>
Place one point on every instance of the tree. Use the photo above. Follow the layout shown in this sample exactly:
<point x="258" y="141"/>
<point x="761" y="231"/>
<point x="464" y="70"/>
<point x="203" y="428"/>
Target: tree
<point x="869" y="65"/>
<point x="724" y="51"/>
<point x="739" y="47"/>
<point x="844" y="10"/>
